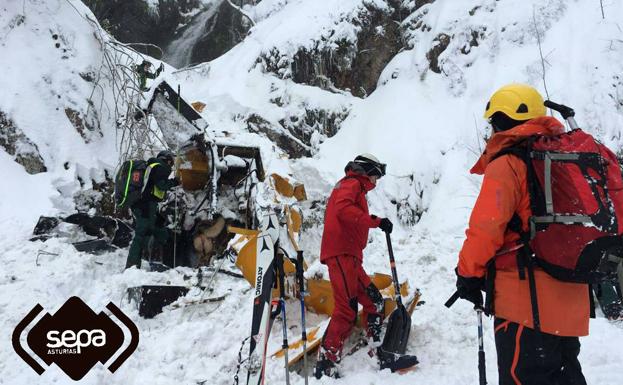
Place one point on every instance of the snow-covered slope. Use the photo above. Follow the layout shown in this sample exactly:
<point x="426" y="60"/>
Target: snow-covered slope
<point x="49" y="58"/>
<point x="423" y="119"/>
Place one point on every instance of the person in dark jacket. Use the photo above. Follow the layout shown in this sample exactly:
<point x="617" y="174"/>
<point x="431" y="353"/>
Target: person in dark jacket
<point x="143" y="71"/>
<point x="345" y="235"/>
<point x="145" y="211"/>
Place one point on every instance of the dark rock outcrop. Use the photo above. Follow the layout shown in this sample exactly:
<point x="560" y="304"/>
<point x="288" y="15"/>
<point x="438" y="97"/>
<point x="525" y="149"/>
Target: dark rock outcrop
<point x="353" y="66"/>
<point x="100" y="198"/>
<point x="277" y="135"/>
<point x="314" y="120"/>
<point x="15" y="143"/>
<point x="83" y="126"/>
<point x="440" y="44"/>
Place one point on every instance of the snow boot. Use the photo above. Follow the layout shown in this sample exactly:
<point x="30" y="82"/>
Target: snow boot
<point x="325" y="367"/>
<point x="395" y="362"/>
<point x="375" y="330"/>
<point x="613" y="311"/>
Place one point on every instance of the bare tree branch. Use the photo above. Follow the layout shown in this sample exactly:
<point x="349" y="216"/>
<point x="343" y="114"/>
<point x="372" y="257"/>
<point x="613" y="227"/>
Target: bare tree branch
<point x="135" y="135"/>
<point x="543" y="62"/>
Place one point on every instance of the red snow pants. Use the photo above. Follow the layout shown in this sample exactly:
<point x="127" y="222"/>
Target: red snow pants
<point x="349" y="282"/>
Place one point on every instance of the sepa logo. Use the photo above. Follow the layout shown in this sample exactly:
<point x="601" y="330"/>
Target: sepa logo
<point x="75" y="338"/>
<point x="71" y="342"/>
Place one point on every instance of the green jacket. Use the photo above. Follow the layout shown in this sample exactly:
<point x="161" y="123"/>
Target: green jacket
<point x="143" y="75"/>
<point x="158" y="183"/>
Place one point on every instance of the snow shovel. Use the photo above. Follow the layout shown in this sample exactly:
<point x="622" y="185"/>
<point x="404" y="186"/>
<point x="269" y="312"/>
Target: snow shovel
<point x="399" y="323"/>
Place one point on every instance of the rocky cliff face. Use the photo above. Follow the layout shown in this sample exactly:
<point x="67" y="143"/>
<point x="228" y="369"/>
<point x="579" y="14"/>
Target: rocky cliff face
<point x="187" y="31"/>
<point x="140" y="21"/>
<point x="214" y="30"/>
<point x="16" y="144"/>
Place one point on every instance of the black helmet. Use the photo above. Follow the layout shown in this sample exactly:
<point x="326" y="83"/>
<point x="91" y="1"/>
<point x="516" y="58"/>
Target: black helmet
<point x="367" y="164"/>
<point x="166" y="155"/>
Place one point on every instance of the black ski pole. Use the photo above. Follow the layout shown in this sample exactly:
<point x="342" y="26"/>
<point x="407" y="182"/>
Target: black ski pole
<point x="282" y="299"/>
<point x="482" y="373"/>
<point x="301" y="279"/>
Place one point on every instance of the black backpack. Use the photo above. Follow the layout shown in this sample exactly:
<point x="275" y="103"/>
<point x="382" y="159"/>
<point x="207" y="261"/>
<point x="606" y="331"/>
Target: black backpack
<point x="129" y="182"/>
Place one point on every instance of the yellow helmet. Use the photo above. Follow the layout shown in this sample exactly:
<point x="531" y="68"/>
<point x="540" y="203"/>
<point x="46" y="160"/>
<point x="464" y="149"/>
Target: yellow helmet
<point x="517" y="101"/>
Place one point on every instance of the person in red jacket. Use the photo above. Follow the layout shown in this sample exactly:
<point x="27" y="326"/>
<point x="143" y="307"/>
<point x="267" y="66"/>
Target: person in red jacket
<point x="345" y="235"/>
<point x="525" y="355"/>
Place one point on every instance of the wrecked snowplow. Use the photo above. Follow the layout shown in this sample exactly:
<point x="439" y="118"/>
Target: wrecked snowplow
<point x="217" y="181"/>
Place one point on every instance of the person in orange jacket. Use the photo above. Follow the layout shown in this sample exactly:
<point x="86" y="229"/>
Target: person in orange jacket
<point x="525" y="356"/>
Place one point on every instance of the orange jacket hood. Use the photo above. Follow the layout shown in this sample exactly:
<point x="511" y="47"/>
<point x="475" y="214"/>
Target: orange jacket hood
<point x="544" y="125"/>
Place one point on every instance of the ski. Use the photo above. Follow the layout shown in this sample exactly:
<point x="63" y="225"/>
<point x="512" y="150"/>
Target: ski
<point x="314" y="337"/>
<point x="261" y="321"/>
<point x="263" y="316"/>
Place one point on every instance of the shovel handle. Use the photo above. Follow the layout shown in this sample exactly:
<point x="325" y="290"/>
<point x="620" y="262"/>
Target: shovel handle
<point x="392" y="265"/>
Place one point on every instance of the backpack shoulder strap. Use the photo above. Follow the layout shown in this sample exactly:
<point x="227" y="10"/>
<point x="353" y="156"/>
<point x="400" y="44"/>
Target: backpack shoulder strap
<point x="521" y="150"/>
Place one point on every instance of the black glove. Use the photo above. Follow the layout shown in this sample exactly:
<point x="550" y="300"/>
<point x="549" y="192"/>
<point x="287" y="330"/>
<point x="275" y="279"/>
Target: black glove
<point x="469" y="288"/>
<point x="386" y="225"/>
<point x="175" y="182"/>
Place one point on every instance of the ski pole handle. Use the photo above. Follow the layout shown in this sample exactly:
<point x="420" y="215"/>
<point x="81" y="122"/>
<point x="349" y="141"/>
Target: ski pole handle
<point x="564" y="110"/>
<point x="567" y="112"/>
<point x="452" y="299"/>
<point x="299" y="271"/>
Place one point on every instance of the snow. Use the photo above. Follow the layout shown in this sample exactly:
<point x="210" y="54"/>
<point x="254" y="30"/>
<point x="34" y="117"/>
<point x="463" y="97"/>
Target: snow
<point x="426" y="126"/>
<point x="33" y="190"/>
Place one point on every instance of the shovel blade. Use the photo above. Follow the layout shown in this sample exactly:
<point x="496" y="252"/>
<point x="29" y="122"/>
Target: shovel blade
<point x="398" y="329"/>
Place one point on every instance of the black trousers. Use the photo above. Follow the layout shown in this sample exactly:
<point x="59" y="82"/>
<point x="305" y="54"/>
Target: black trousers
<point x="526" y="357"/>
